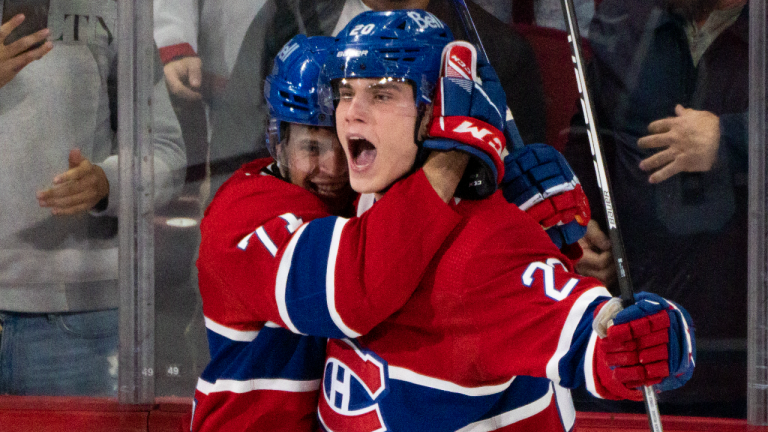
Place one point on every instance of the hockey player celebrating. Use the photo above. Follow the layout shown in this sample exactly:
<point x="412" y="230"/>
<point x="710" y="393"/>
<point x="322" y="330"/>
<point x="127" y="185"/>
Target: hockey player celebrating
<point x="498" y="300"/>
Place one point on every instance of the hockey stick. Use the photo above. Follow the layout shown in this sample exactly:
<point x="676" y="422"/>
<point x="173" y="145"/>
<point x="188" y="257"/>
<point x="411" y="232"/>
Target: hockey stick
<point x="474" y="38"/>
<point x="469" y="27"/>
<point x="617" y="244"/>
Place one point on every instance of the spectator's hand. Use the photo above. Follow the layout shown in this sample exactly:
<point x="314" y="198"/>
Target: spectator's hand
<point x="184" y="78"/>
<point x="77" y="190"/>
<point x="690" y="143"/>
<point x="11" y="58"/>
<point x="597" y="260"/>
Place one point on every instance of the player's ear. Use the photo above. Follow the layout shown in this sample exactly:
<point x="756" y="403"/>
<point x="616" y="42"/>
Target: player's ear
<point x="422" y="122"/>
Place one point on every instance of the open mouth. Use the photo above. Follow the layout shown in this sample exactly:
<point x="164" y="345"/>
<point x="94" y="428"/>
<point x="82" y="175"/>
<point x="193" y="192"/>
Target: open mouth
<point x="362" y="152"/>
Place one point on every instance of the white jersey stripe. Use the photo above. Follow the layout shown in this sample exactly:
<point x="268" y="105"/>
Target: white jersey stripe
<point x="245" y="386"/>
<point x="565" y="406"/>
<point x="589" y="366"/>
<point x="230" y="333"/>
<point x="330" y="280"/>
<point x="266" y="241"/>
<point x="571" y="323"/>
<point x="510" y="417"/>
<point x="407" y="375"/>
<point x="282" y="280"/>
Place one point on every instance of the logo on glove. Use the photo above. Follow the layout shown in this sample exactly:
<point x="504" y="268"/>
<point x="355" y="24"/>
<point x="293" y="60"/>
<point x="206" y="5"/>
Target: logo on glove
<point x="479" y="134"/>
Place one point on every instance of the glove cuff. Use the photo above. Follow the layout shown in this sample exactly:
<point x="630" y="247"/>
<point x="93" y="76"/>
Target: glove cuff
<point x="475" y="134"/>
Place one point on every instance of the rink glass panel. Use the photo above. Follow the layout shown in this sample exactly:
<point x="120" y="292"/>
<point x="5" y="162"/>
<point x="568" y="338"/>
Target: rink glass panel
<point x="709" y="221"/>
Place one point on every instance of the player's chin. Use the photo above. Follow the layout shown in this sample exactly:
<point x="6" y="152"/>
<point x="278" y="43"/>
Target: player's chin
<point x="368" y="181"/>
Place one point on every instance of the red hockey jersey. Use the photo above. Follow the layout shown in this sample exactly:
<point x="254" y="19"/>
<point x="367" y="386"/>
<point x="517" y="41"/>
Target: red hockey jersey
<point x="497" y="307"/>
<point x="261" y="376"/>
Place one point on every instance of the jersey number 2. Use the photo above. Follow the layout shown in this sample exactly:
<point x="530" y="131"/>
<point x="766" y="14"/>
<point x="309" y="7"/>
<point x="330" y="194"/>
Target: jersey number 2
<point x="548" y="271"/>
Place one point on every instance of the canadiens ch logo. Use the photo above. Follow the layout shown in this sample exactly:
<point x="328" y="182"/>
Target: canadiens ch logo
<point x="355" y="380"/>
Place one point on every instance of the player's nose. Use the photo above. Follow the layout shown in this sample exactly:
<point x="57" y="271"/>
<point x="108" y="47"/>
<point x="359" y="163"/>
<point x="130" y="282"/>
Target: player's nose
<point x="334" y="162"/>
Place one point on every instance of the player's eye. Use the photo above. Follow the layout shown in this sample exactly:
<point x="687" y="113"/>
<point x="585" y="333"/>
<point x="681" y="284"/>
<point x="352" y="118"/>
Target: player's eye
<point x="346" y="94"/>
<point x="312" y="148"/>
<point x="382" y="96"/>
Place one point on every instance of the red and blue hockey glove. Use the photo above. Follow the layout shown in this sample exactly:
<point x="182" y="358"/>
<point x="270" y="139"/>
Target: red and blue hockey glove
<point x="650" y="343"/>
<point x="538" y="179"/>
<point x="469" y="114"/>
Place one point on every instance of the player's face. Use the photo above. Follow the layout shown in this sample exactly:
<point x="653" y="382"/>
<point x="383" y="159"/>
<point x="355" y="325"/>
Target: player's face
<point x="316" y="162"/>
<point x="375" y="120"/>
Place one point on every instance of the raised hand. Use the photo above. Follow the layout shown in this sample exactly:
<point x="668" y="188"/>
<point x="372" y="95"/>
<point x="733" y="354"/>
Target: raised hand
<point x="468" y="115"/>
<point x="690" y="142"/>
<point x="13" y="57"/>
<point x="538" y="179"/>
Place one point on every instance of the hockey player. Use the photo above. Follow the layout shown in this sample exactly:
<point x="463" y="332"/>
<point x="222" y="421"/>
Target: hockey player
<point x="498" y="301"/>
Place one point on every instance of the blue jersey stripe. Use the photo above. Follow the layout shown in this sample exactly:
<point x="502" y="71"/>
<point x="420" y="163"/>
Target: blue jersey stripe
<point x="276" y="353"/>
<point x="305" y="293"/>
<point x="411" y="407"/>
<point x="571" y="365"/>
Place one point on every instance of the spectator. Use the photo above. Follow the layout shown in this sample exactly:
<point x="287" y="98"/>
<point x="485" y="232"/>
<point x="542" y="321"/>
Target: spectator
<point x="199" y="41"/>
<point x="670" y="88"/>
<point x="58" y="271"/>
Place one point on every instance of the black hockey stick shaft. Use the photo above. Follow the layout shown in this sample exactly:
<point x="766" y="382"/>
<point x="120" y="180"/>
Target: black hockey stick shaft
<point x="469" y="27"/>
<point x="474" y="38"/>
<point x="614" y="234"/>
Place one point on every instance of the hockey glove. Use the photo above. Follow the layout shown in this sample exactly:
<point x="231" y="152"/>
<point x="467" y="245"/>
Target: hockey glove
<point x="538" y="179"/>
<point x="469" y="114"/>
<point x="650" y="343"/>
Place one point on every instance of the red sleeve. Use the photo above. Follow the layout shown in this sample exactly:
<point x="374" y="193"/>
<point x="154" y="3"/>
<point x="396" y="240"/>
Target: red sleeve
<point x="325" y="276"/>
<point x="172" y="52"/>
<point x="533" y="315"/>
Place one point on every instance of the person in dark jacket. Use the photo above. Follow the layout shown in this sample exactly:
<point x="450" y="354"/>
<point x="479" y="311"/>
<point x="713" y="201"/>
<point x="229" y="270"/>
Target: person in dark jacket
<point x="669" y="81"/>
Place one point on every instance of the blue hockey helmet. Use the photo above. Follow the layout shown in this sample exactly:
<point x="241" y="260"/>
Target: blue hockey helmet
<point x="402" y="44"/>
<point x="291" y="90"/>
